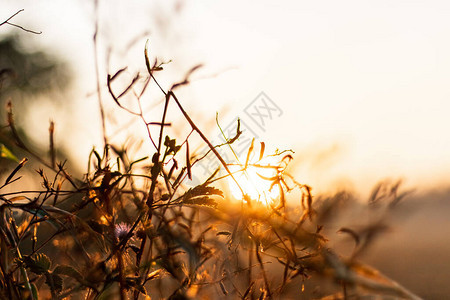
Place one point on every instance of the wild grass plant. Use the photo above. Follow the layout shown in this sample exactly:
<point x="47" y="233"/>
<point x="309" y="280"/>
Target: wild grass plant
<point x="131" y="228"/>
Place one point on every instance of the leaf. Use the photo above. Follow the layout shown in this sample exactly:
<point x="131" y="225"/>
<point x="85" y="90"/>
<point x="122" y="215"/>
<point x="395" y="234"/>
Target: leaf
<point x="40" y="264"/>
<point x="248" y="290"/>
<point x="55" y="282"/>
<point x="199" y="195"/>
<point x="16" y="169"/>
<point x="154" y="274"/>
<point x="174" y="166"/>
<point x="43" y="261"/>
<point x="210" y="178"/>
<point x="352" y="233"/>
<point x="34" y="290"/>
<point x="250" y="150"/>
<point x="171" y="145"/>
<point x="261" y="152"/>
<point x="6" y="153"/>
<point x="99" y="160"/>
<point x="17" y="198"/>
<point x="147" y="61"/>
<point x="138" y="160"/>
<point x="238" y="132"/>
<point x="205" y="200"/>
<point x="227" y="233"/>
<point x="222" y="287"/>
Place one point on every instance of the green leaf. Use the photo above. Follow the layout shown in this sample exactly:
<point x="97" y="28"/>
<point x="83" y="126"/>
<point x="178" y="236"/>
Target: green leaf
<point x="40" y="264"/>
<point x="35" y="292"/>
<point x="6" y="153"/>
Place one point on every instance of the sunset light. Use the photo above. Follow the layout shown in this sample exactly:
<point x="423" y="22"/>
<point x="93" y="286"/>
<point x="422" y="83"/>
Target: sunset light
<point x="171" y="149"/>
<point x="258" y="180"/>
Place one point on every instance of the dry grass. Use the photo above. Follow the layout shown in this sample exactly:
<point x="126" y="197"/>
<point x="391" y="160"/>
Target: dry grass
<point x="130" y="229"/>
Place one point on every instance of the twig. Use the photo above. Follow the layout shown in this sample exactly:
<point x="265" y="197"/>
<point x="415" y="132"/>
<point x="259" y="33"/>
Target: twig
<point x="18" y="26"/>
<point x="97" y="74"/>
<point x="51" y="131"/>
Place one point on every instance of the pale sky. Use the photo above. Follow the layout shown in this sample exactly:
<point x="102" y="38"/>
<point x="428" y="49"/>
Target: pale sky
<point x="362" y="85"/>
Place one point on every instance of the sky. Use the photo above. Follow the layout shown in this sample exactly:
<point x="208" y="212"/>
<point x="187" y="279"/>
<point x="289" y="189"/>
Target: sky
<point x="359" y="88"/>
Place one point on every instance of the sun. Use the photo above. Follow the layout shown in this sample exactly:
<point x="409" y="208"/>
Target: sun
<point x="256" y="180"/>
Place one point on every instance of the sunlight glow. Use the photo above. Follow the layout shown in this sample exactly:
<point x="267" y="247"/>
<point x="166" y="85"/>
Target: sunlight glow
<point x="257" y="180"/>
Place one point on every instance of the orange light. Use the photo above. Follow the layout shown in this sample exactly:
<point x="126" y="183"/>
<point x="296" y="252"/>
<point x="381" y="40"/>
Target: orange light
<point x="256" y="180"/>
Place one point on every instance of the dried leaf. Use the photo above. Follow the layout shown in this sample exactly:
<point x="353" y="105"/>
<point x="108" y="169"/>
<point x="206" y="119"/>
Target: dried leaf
<point x="171" y="145"/>
<point x="238" y="132"/>
<point x="19" y="166"/>
<point x="261" y="152"/>
<point x="250" y="150"/>
<point x="227" y="233"/>
<point x="352" y="233"/>
<point x="222" y="287"/>
<point x="202" y="190"/>
<point x="206" y="201"/>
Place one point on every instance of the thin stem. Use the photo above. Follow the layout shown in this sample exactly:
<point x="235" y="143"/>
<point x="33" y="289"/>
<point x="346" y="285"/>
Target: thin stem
<point x="18" y="26"/>
<point x="205" y="139"/>
<point x="97" y="74"/>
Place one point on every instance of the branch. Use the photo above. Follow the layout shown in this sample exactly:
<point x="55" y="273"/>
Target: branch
<point x="18" y="26"/>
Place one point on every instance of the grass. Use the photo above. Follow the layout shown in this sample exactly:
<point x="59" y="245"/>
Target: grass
<point x="132" y="229"/>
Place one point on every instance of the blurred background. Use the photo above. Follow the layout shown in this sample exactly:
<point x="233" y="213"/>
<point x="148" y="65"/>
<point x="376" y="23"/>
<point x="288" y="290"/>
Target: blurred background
<point x="357" y="89"/>
<point x="362" y="86"/>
